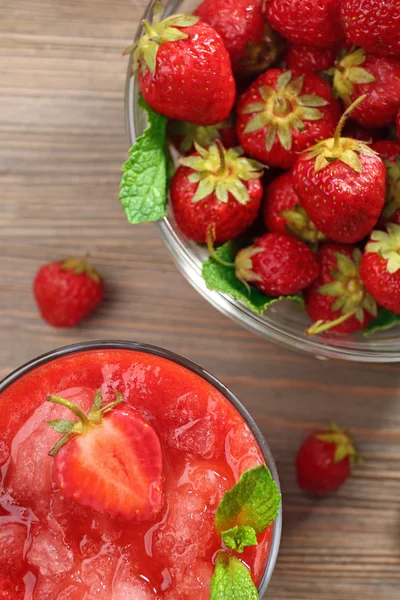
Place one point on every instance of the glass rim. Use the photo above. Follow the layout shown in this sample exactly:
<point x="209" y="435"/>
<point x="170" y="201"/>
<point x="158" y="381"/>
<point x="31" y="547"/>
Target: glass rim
<point x="197" y="370"/>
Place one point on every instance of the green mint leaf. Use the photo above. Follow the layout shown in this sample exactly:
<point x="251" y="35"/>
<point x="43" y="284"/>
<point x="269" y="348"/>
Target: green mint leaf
<point x="239" y="537"/>
<point x="385" y="320"/>
<point x="143" y="192"/>
<point x="254" y="501"/>
<point x="223" y="279"/>
<point x="61" y="426"/>
<point x="232" y="580"/>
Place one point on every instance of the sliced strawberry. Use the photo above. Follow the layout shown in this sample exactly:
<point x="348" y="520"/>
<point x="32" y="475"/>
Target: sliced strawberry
<point x="109" y="460"/>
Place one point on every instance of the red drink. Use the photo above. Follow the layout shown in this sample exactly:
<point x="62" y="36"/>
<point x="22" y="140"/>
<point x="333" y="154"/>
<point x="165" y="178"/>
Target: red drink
<point x="53" y="547"/>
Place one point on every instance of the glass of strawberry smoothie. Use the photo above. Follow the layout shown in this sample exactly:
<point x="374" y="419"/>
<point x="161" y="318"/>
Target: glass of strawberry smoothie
<point x="65" y="533"/>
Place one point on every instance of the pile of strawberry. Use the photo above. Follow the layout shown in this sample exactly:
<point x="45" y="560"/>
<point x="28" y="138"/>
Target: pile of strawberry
<point x="283" y="114"/>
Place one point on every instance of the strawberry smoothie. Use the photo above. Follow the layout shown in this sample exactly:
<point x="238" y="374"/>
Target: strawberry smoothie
<point x="67" y="532"/>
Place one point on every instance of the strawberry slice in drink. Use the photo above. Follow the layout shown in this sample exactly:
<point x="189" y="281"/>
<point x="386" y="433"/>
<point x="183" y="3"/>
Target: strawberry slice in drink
<point x="110" y="459"/>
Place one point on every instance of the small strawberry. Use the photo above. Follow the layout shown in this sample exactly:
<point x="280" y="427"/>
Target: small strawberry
<point x="109" y="459"/>
<point x="341" y="184"/>
<point x="184" y="69"/>
<point x="310" y="22"/>
<point x="373" y="24"/>
<point x="279" y="116"/>
<point x="283" y="212"/>
<point x="380" y="267"/>
<point x="337" y="300"/>
<point x="389" y="151"/>
<point x="183" y="135"/>
<point x="277" y="264"/>
<point x="216" y="187"/>
<point x="67" y="292"/>
<point x="356" y="74"/>
<point x="303" y="59"/>
<point x="324" y="460"/>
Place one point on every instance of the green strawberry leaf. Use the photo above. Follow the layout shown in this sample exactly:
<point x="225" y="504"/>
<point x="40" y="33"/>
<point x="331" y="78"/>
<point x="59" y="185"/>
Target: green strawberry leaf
<point x="61" y="425"/>
<point x="232" y="580"/>
<point x="221" y="278"/>
<point x="143" y="191"/>
<point x="254" y="502"/>
<point x="239" y="537"/>
<point x="385" y="320"/>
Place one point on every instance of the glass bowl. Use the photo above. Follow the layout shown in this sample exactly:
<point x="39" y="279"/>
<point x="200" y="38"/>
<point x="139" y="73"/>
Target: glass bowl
<point x="187" y="364"/>
<point x="283" y="322"/>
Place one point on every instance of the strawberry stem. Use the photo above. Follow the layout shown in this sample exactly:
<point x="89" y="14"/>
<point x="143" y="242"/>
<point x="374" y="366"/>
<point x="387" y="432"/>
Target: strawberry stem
<point x="61" y="442"/>
<point x="321" y="326"/>
<point x="343" y="119"/>
<point x="151" y="32"/>
<point x="72" y="407"/>
<point x="221" y="152"/>
<point x="211" y="249"/>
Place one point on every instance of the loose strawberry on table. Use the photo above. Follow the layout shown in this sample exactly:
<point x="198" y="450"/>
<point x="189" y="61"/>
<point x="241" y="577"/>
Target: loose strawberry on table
<point x="302" y="59"/>
<point x="280" y="115"/>
<point x="389" y="151"/>
<point x="216" y="187"/>
<point x="358" y="73"/>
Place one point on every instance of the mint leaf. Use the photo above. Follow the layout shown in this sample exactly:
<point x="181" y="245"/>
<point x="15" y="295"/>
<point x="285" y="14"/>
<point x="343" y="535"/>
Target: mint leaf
<point x="254" y="501"/>
<point x="143" y="192"/>
<point x="239" y="537"/>
<point x="232" y="580"/>
<point x="385" y="320"/>
<point x="222" y="279"/>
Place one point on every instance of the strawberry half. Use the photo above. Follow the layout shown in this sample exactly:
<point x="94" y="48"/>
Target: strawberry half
<point x="110" y="459"/>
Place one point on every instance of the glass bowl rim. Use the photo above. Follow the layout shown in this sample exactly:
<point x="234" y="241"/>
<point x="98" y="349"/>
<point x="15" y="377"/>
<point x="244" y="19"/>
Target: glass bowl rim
<point x="194" y="368"/>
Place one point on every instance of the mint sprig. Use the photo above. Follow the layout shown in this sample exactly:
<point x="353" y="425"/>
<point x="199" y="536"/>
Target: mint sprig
<point x="143" y="192"/>
<point x="384" y="321"/>
<point x="239" y="537"/>
<point x="232" y="580"/>
<point x="221" y="278"/>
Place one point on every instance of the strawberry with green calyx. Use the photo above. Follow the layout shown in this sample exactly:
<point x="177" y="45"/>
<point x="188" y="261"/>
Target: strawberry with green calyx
<point x="281" y="115"/>
<point x="183" y="135"/>
<point x="389" y="151"/>
<point x="283" y="213"/>
<point x="109" y="459"/>
<point x="356" y="74"/>
<point x="337" y="301"/>
<point x="341" y="183"/>
<point x="184" y="70"/>
<point x="380" y="267"/>
<point x="324" y="460"/>
<point x="216" y="187"/>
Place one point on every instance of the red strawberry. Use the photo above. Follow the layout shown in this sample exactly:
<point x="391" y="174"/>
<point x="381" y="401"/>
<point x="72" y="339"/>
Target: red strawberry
<point x="246" y="34"/>
<point x="380" y="267"/>
<point x="341" y="184"/>
<point x="67" y="292"/>
<point x="183" y="135"/>
<point x="324" y="461"/>
<point x="358" y="132"/>
<point x="216" y="187"/>
<point x="277" y="264"/>
<point x="109" y="459"/>
<point x="301" y="58"/>
<point x="389" y="150"/>
<point x="373" y="24"/>
<point x="283" y="212"/>
<point x="337" y="300"/>
<point x="357" y="74"/>
<point x="184" y="69"/>
<point x="310" y="22"/>
<point x="279" y="116"/>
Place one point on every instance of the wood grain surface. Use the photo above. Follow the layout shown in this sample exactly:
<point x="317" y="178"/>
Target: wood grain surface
<point x="62" y="141"/>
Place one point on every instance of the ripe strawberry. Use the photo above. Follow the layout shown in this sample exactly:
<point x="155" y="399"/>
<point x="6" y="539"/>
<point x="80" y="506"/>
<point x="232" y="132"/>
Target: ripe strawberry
<point x="389" y="151"/>
<point x="279" y="116"/>
<point x="183" y="135"/>
<point x="109" y="459"/>
<point x="184" y="69"/>
<point x="310" y="22"/>
<point x="337" y="300"/>
<point x="380" y="267"/>
<point x="324" y="460"/>
<point x="303" y="59"/>
<point x="373" y="24"/>
<point x="67" y="292"/>
<point x="283" y="212"/>
<point x="341" y="184"/>
<point x="216" y="187"/>
<point x="357" y="74"/>
<point x="242" y="25"/>
<point x="277" y="264"/>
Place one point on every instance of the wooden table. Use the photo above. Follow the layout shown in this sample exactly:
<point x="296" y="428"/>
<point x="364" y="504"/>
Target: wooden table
<point x="62" y="141"/>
